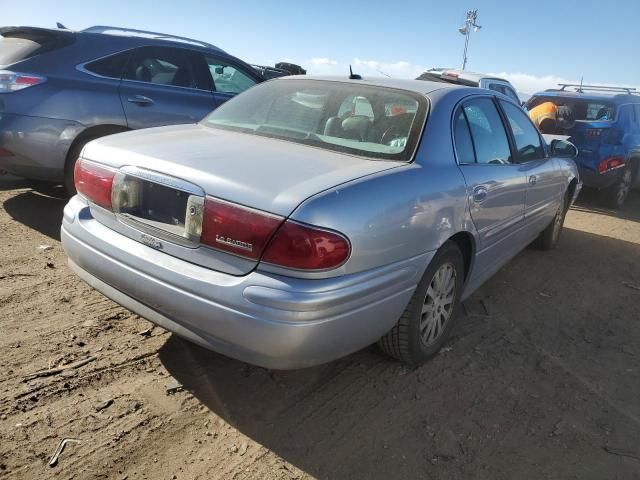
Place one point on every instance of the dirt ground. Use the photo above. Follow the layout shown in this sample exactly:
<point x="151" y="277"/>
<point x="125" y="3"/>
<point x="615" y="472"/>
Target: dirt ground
<point x="541" y="379"/>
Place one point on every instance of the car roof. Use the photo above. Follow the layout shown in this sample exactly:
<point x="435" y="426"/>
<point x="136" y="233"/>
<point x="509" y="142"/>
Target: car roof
<point x="417" y="86"/>
<point x="133" y="36"/>
<point x="591" y="96"/>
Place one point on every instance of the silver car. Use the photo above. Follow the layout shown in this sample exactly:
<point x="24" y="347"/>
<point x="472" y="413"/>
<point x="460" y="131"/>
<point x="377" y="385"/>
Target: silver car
<point x="310" y="217"/>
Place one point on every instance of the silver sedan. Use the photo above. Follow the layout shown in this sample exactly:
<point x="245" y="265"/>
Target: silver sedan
<point x="310" y="217"/>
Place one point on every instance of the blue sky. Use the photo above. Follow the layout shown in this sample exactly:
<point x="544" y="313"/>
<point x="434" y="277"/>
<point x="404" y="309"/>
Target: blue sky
<point x="535" y="44"/>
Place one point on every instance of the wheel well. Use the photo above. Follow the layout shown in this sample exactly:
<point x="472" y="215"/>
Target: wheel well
<point x="571" y="190"/>
<point x="91" y="133"/>
<point x="465" y="242"/>
<point x="635" y="167"/>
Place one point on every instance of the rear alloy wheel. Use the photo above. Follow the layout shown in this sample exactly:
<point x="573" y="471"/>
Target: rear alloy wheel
<point x="615" y="196"/>
<point x="426" y="323"/>
<point x="550" y="236"/>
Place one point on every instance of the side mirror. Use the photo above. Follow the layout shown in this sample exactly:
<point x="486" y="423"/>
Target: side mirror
<point x="219" y="70"/>
<point x="564" y="149"/>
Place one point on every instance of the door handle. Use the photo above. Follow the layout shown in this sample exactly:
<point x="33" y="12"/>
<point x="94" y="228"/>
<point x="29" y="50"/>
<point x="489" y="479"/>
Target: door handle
<point x="140" y="100"/>
<point x="533" y="180"/>
<point x="480" y="193"/>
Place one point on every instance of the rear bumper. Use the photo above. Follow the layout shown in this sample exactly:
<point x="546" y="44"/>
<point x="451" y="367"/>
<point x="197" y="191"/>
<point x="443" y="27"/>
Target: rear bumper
<point x="38" y="145"/>
<point x="597" y="180"/>
<point x="261" y="318"/>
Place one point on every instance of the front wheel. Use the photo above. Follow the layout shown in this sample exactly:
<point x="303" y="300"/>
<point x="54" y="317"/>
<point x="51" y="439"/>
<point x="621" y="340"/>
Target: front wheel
<point x="427" y="321"/>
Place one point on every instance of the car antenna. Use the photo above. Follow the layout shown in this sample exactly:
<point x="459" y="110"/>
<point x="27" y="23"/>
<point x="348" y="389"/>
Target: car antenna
<point x="353" y="76"/>
<point x="59" y="25"/>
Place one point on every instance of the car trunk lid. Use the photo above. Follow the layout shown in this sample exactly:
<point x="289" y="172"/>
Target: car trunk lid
<point x="173" y="171"/>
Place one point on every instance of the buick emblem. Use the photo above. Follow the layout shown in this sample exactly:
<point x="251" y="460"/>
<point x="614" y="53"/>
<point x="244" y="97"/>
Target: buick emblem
<point x="149" y="241"/>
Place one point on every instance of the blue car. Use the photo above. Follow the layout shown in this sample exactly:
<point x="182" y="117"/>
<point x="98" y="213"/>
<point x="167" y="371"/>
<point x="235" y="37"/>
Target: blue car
<point x="59" y="89"/>
<point x="606" y="133"/>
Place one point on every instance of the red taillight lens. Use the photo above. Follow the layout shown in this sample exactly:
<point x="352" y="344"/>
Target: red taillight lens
<point x="14" y="81"/>
<point x="610" y="163"/>
<point x="236" y="229"/>
<point x="94" y="182"/>
<point x="306" y="248"/>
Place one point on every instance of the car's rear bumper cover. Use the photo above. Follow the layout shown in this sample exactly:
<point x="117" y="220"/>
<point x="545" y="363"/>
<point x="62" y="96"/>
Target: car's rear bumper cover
<point x="262" y="318"/>
<point x="599" y="180"/>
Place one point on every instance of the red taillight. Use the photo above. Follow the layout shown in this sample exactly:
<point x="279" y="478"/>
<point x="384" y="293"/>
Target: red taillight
<point x="13" y="81"/>
<point x="236" y="229"/>
<point x="610" y="163"/>
<point x="94" y="182"/>
<point x="306" y="248"/>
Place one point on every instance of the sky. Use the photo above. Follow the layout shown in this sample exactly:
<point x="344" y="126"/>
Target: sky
<point x="535" y="45"/>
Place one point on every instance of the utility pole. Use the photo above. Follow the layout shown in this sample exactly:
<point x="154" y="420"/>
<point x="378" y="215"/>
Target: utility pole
<point x="469" y="23"/>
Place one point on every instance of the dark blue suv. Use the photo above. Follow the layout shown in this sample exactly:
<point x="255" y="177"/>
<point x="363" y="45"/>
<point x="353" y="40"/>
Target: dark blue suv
<point x="60" y="89"/>
<point x="607" y="134"/>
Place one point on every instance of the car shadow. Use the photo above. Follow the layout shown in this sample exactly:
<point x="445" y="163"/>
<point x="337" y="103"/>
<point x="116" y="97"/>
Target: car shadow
<point x="10" y="182"/>
<point x="522" y="379"/>
<point x="39" y="210"/>
<point x="588" y="202"/>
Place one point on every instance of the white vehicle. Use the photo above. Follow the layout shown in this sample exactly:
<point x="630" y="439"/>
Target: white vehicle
<point x="471" y="79"/>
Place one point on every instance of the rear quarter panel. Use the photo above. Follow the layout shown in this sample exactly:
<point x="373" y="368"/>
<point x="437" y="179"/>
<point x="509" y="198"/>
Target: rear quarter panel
<point x="404" y="212"/>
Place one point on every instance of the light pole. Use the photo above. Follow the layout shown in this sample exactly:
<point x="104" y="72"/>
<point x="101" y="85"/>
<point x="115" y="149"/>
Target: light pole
<point x="472" y="16"/>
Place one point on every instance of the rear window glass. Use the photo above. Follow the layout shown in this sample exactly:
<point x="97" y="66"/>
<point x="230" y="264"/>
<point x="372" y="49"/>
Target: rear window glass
<point x="585" y="110"/>
<point x="111" y="66"/>
<point x="19" y="45"/>
<point x="374" y="122"/>
<point x="15" y="49"/>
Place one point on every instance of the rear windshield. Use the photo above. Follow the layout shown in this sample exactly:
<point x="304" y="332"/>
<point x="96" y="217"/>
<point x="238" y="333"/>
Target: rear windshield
<point x="585" y="110"/>
<point x="15" y="49"/>
<point x="368" y="121"/>
<point x="16" y="46"/>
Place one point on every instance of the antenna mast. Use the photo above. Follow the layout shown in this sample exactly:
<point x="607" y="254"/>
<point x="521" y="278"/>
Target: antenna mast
<point x="469" y="23"/>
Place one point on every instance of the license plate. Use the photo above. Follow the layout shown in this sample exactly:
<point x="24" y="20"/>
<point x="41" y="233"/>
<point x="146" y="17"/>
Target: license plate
<point x="161" y="205"/>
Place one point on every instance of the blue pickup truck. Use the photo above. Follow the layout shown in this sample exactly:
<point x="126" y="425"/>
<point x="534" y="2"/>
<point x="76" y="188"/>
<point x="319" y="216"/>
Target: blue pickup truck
<point x="607" y="134"/>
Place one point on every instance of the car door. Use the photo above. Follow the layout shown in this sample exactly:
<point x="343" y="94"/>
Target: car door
<point x="495" y="184"/>
<point x="165" y="86"/>
<point x="229" y="79"/>
<point x="544" y="182"/>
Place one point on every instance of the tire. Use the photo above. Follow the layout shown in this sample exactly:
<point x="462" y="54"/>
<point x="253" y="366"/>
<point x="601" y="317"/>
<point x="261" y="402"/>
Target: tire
<point x="72" y="156"/>
<point x="615" y="195"/>
<point x="550" y="236"/>
<point x="424" y="328"/>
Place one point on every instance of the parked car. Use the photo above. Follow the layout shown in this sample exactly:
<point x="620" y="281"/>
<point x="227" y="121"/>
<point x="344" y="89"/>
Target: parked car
<point x="606" y="133"/>
<point x="270" y="72"/>
<point x="287" y="229"/>
<point x="471" y="79"/>
<point x="60" y="89"/>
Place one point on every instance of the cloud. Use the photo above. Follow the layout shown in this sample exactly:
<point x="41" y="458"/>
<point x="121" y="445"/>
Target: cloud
<point x="530" y="84"/>
<point x="322" y="61"/>
<point x="524" y="82"/>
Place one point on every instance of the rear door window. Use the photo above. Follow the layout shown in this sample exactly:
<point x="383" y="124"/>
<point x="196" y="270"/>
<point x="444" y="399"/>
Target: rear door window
<point x="526" y="136"/>
<point x="488" y="133"/>
<point x="177" y="67"/>
<point x="111" y="66"/>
